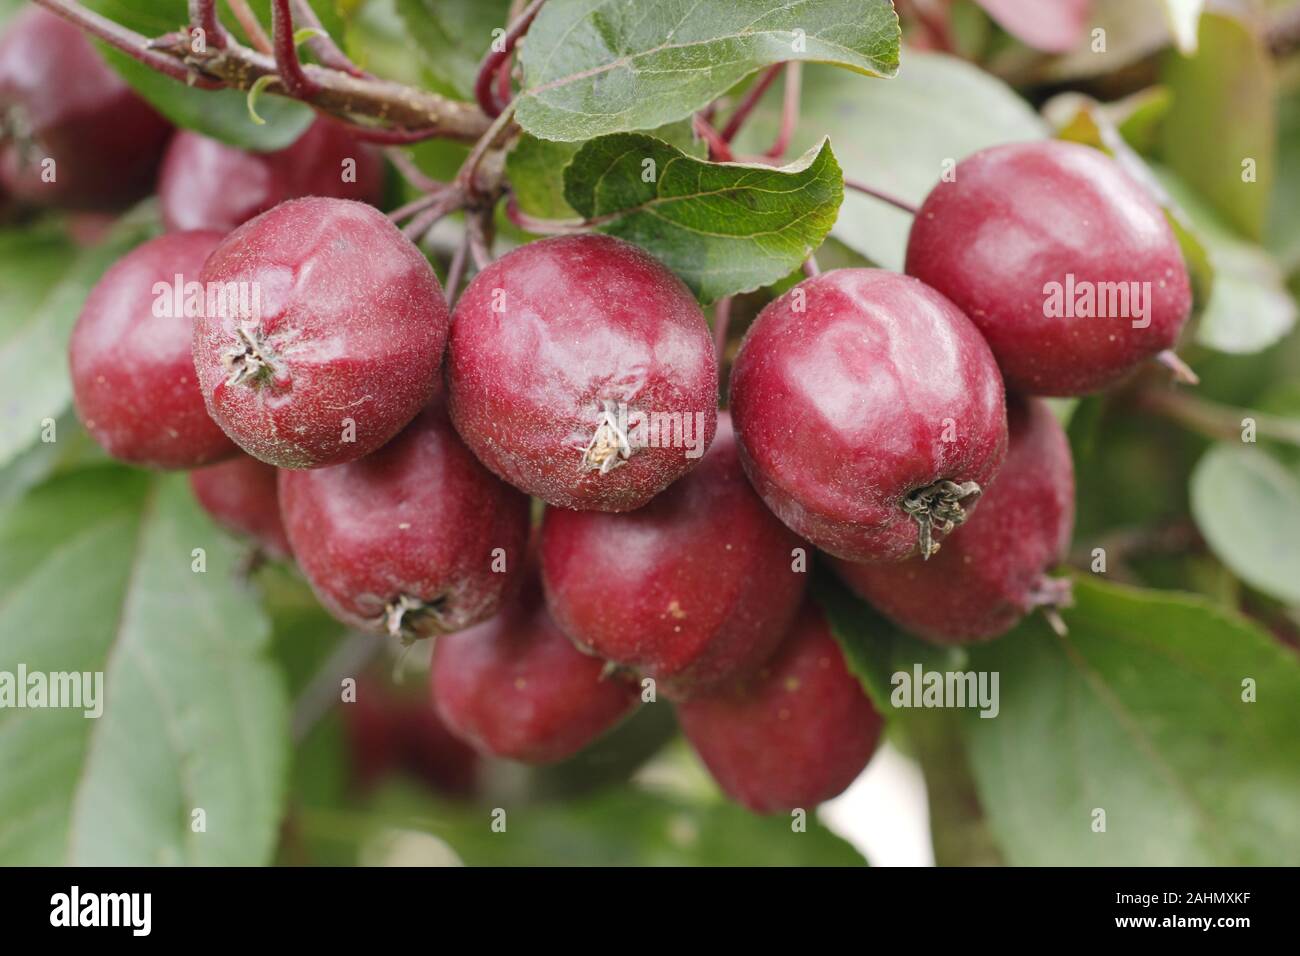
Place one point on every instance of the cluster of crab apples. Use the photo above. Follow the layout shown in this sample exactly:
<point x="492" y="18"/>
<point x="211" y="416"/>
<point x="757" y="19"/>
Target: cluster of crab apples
<point x="301" y="359"/>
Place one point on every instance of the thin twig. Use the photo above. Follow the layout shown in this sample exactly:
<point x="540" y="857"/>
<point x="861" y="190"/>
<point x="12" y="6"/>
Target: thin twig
<point x="1222" y="422"/>
<point x="880" y="194"/>
<point x="487" y="71"/>
<point x="286" y="53"/>
<point x="542" y="227"/>
<point x="414" y="206"/>
<point x="349" y="659"/>
<point x="456" y="271"/>
<point x="502" y="128"/>
<point x="248" y="21"/>
<point x="339" y="93"/>
<point x="129" y="42"/>
<point x="721" y="325"/>
<point x="479" y="229"/>
<point x="448" y="201"/>
<point x="412" y="173"/>
<point x="789" y="110"/>
<point x="719" y="150"/>
<point x="203" y="16"/>
<point x="323" y="47"/>
<point x="810" y="267"/>
<point x="1181" y="371"/>
<point x="750" y="100"/>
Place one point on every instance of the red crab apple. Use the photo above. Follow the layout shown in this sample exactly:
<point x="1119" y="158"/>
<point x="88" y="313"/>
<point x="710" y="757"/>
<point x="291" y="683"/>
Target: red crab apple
<point x="992" y="571"/>
<point x="516" y="687"/>
<point x="1066" y="265"/>
<point x="205" y="184"/>
<point x="133" y="381"/>
<point x="240" y="495"/>
<point x="335" y="342"/>
<point x="390" y="730"/>
<point x="414" y="540"/>
<point x="581" y="371"/>
<point x="72" y="133"/>
<point x="869" y="411"/>
<point x="792" y="735"/>
<point x="697" y="586"/>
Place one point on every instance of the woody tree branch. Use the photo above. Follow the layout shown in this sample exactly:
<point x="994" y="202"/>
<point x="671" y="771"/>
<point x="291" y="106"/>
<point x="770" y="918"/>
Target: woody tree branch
<point x="416" y="114"/>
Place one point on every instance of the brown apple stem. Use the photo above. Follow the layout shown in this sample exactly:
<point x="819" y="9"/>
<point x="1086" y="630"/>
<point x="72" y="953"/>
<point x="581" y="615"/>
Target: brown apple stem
<point x="938" y="509"/>
<point x="1182" y="371"/>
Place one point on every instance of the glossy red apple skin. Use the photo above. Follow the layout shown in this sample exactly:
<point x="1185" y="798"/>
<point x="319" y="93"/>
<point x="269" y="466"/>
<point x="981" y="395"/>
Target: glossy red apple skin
<point x="696" y="587"/>
<point x="1021" y="216"/>
<point x="794" y="734"/>
<point x="516" y="687"/>
<point x="419" y="518"/>
<point x="583" y="321"/>
<point x="241" y="496"/>
<point x="133" y="381"/>
<point x="206" y="184"/>
<point x="990" y="572"/>
<point x="105" y="141"/>
<point x="353" y="327"/>
<point x="853" y="390"/>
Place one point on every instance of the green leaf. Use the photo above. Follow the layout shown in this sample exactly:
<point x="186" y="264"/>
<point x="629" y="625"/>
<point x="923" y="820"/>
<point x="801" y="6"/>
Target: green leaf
<point x="619" y="827"/>
<point x="1119" y="33"/>
<point x="43" y="283"/>
<point x="1221" y="116"/>
<point x="876" y="650"/>
<point x="723" y="227"/>
<point x="1139" y="712"/>
<point x="96" y="576"/>
<point x="535" y="168"/>
<point x="1284" y="223"/>
<point x="453" y="36"/>
<point x="1249" y="307"/>
<point x="896" y="136"/>
<point x="593" y="67"/>
<point x="1248" y="508"/>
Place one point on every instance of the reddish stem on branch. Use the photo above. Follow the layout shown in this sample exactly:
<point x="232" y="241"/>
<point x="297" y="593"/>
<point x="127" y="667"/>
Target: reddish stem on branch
<point x="252" y="26"/>
<point x="721" y="323"/>
<point x="719" y="150"/>
<point x="292" y="76"/>
<point x="503" y="94"/>
<point x="789" y="110"/>
<point x="487" y="72"/>
<point x="448" y="201"/>
<point x="325" y="49"/>
<point x="456" y="271"/>
<point x="414" y="206"/>
<point x="203" y="16"/>
<point x="751" y="98"/>
<point x="878" y="194"/>
<point x="541" y="227"/>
